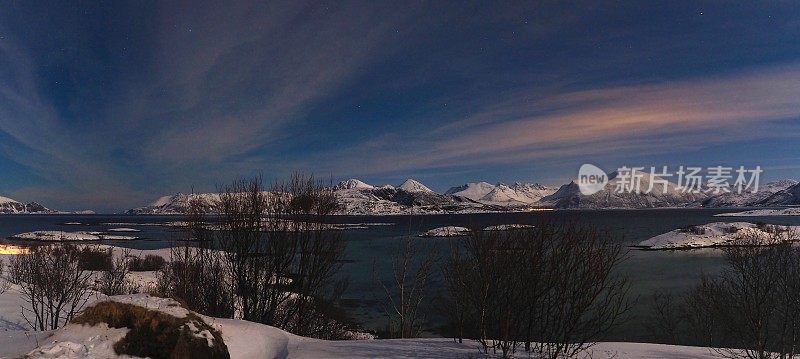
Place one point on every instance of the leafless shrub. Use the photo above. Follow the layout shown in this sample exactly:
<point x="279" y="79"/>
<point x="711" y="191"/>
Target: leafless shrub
<point x="550" y="289"/>
<point x="404" y="294"/>
<point x="149" y="263"/>
<point x="93" y="258"/>
<point x="52" y="284"/>
<point x="195" y="277"/>
<point x="664" y="319"/>
<point x="115" y="280"/>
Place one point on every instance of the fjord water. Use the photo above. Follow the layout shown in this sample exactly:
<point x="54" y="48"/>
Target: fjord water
<point x="370" y="249"/>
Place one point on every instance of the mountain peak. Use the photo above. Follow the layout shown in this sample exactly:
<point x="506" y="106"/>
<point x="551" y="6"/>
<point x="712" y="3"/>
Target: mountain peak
<point x="471" y="190"/>
<point x="353" y="184"/>
<point x="411" y="185"/>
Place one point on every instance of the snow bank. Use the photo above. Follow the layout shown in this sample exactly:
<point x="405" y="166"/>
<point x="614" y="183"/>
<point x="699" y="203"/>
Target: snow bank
<point x="78" y="341"/>
<point x="449" y="231"/>
<point x="715" y="234"/>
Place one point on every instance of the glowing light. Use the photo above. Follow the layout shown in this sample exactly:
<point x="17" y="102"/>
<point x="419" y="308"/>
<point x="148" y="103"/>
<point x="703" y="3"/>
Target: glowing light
<point x="12" y="249"/>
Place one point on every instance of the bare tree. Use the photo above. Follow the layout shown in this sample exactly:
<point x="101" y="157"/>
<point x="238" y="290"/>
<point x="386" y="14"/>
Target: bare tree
<point x="552" y="290"/>
<point x="407" y="289"/>
<point x="52" y="283"/>
<point x="750" y="309"/>
<point x="278" y="261"/>
<point x="196" y="273"/>
<point x="4" y="283"/>
<point x="664" y="321"/>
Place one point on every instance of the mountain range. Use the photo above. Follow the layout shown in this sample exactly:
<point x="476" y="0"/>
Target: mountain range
<point x="357" y="197"/>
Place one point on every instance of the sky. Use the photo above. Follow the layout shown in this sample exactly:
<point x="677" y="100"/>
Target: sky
<point x="109" y="105"/>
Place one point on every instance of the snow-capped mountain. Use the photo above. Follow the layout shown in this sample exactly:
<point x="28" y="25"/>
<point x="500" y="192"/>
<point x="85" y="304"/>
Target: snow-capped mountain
<point x="569" y="196"/>
<point x="179" y="204"/>
<point x="352" y="184"/>
<point x="409" y="197"/>
<point x="786" y="197"/>
<point x="473" y="190"/>
<point x="515" y="195"/>
<point x="747" y="199"/>
<point x="357" y="197"/>
<point x="411" y="185"/>
<point x="12" y="206"/>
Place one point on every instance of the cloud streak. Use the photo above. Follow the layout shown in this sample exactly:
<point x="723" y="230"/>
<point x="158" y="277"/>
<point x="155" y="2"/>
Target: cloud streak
<point x="642" y="118"/>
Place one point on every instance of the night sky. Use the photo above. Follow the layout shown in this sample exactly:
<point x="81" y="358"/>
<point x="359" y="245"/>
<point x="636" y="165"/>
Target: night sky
<point x="109" y="104"/>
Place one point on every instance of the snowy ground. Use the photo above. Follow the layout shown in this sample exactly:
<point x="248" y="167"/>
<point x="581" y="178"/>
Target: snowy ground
<point x="763" y="213"/>
<point x="252" y="340"/>
<point x="715" y="234"/>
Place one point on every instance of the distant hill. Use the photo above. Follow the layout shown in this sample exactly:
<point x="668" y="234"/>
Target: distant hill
<point x="179" y="204"/>
<point x="12" y="206"/>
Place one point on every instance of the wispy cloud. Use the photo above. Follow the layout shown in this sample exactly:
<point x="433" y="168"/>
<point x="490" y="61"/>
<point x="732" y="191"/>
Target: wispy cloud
<point x="637" y="119"/>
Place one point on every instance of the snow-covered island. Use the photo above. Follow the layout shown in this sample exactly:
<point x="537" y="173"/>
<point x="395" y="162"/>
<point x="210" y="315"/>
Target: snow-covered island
<point x="720" y="234"/>
<point x="448" y="231"/>
<point x="61" y="236"/>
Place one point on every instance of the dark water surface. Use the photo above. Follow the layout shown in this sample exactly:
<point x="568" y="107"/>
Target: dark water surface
<point x="373" y="247"/>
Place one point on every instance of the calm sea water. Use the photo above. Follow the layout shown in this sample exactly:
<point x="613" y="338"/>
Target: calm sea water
<point x="370" y="250"/>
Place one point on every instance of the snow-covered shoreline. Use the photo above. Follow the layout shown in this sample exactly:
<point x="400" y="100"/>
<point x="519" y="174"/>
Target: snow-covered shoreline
<point x="791" y="211"/>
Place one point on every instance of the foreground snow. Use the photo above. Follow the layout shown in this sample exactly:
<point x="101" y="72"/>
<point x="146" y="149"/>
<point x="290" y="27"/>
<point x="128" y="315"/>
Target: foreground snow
<point x="715" y="234"/>
<point x="251" y="340"/>
<point x="794" y="211"/>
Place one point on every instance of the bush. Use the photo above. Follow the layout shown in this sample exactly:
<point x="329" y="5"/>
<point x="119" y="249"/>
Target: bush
<point x="92" y="258"/>
<point x="150" y="263"/>
<point x="155" y="334"/>
<point x="696" y="230"/>
<point x="195" y="276"/>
